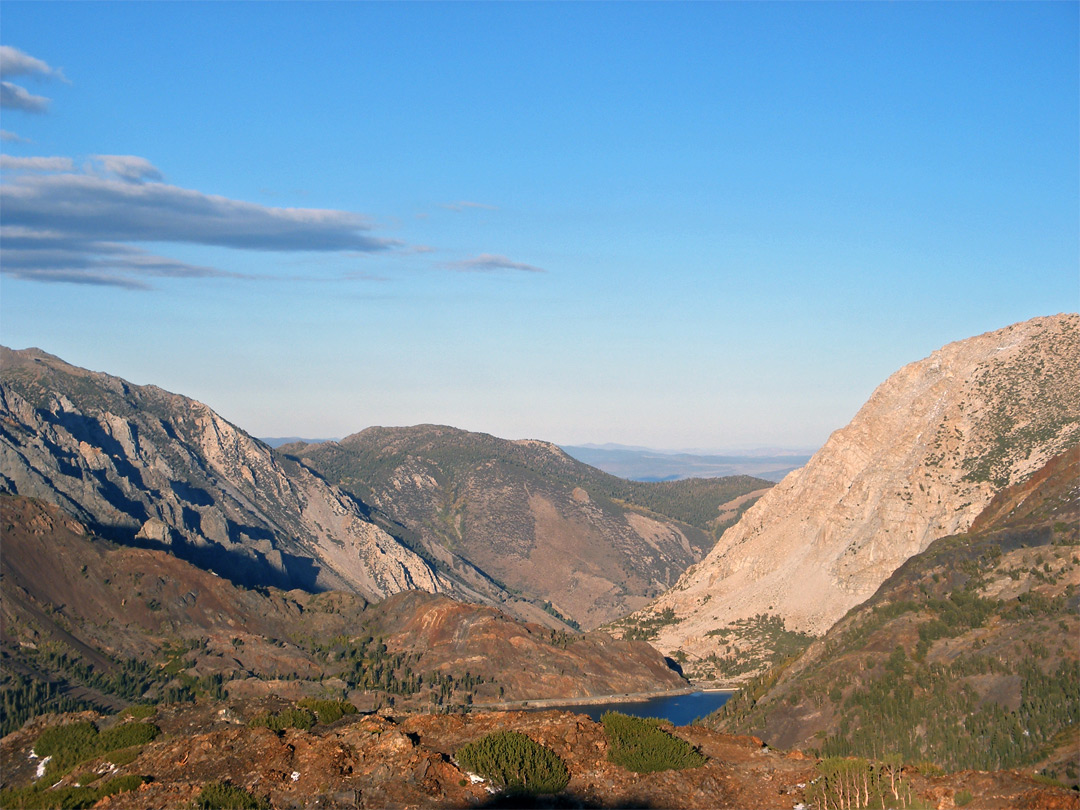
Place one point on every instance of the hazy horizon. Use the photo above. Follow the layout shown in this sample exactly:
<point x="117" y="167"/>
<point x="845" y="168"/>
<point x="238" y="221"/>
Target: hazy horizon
<point x="676" y="225"/>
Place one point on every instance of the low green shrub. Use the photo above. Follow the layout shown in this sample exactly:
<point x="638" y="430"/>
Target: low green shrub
<point x="327" y="711"/>
<point x="516" y="763"/>
<point x="286" y="718"/>
<point x="127" y="735"/>
<point x="121" y="784"/>
<point x="125" y="756"/>
<point x="67" y="741"/>
<point x="641" y="745"/>
<point x="223" y="796"/>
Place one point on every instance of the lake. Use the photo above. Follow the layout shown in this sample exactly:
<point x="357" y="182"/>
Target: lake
<point x="679" y="709"/>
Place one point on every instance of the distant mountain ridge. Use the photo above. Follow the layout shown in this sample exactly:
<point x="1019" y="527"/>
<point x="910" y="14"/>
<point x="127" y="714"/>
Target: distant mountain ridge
<point x="277" y="441"/>
<point x="921" y="460"/>
<point x="539" y="522"/>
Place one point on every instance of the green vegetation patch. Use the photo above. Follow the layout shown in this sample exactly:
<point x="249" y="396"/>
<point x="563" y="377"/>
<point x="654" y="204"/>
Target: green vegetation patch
<point x="70" y="744"/>
<point x="141" y="711"/>
<point x="642" y="745"/>
<point x="223" y="796"/>
<point x="286" y="718"/>
<point x="66" y="798"/>
<point x="647" y="628"/>
<point x="327" y="711"/>
<point x="516" y="763"/>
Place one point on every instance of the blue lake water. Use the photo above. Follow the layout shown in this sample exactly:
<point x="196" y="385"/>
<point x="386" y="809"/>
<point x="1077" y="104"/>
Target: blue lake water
<point x="679" y="709"/>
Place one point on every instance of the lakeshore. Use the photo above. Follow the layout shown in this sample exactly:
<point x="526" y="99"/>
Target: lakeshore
<point x="676" y="704"/>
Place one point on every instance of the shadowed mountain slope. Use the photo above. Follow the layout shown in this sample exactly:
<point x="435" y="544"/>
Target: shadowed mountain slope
<point x="137" y="463"/>
<point x="109" y="624"/>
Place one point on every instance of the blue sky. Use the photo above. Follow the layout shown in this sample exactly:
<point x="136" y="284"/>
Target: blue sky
<point x="702" y="225"/>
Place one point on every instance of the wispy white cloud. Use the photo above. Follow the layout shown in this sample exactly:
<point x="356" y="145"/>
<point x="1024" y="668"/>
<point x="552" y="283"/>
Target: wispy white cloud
<point x="11" y="137"/>
<point x="491" y="263"/>
<point x="128" y="167"/>
<point x="14" y="62"/>
<point x="77" y="226"/>
<point x="13" y="97"/>
<point x="36" y="164"/>
<point x="53" y="256"/>
<point x="462" y="205"/>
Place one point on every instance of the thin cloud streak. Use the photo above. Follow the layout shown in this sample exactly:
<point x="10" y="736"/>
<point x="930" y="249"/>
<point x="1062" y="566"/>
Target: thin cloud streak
<point x="462" y="205"/>
<point x="13" y="97"/>
<point x="491" y="263"/>
<point x="128" y="167"/>
<point x="103" y="208"/>
<point x="11" y="137"/>
<point x="14" y="62"/>
<point x="36" y="164"/>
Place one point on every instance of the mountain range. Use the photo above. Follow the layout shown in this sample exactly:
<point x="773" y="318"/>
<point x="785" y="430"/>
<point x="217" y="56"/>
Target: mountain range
<point x="515" y="524"/>
<point x="907" y="596"/>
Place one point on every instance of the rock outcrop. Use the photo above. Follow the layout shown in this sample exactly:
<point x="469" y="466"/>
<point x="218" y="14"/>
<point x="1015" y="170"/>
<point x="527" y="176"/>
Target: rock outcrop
<point x="920" y="461"/>
<point x="139" y="462"/>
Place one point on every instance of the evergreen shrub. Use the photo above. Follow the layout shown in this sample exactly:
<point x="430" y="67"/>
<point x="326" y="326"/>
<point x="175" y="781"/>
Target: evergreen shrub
<point x="641" y="745"/>
<point x="516" y="763"/>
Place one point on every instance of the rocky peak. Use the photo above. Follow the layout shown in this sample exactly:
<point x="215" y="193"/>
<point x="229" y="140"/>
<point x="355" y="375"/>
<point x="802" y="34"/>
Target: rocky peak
<point x="137" y="462"/>
<point x="919" y="461"/>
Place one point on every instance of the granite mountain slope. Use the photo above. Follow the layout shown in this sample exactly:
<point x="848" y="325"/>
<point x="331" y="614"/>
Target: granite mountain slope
<point x="591" y="545"/>
<point x="137" y="463"/>
<point x="920" y="461"/>
<point x="966" y="655"/>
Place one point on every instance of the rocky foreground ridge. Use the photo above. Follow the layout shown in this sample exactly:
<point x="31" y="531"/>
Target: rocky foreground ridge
<point x="139" y="463"/>
<point x="920" y="461"/>
<point x="412" y="761"/>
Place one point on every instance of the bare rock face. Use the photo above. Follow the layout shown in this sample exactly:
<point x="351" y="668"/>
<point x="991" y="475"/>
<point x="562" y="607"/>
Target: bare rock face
<point x="921" y="460"/>
<point x="138" y="462"/>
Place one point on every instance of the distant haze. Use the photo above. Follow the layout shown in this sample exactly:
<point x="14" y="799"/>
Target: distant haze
<point x="645" y="464"/>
